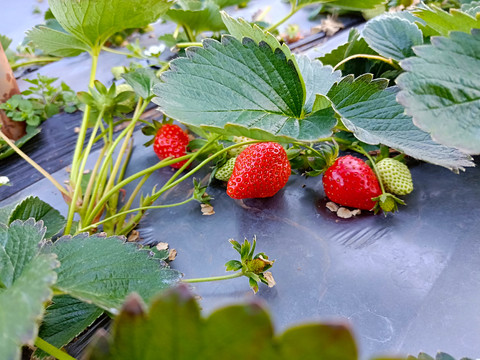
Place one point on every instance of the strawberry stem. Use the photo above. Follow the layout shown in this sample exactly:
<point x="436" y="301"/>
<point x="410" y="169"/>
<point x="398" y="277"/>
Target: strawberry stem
<point x="52" y="350"/>
<point x="391" y="62"/>
<point x="362" y="151"/>
<point x="214" y="278"/>
<point x="143" y="209"/>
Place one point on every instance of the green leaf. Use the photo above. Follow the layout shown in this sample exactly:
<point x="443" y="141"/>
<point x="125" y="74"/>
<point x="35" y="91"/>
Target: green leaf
<point x="5" y="41"/>
<point x="234" y="332"/>
<point x="472" y="9"/>
<point x="33" y="207"/>
<point x="371" y="112"/>
<point x="233" y="265"/>
<point x="20" y="242"/>
<point x="318" y="341"/>
<point x="5" y="213"/>
<point x="142" y="81"/>
<point x="21" y="305"/>
<point x="7" y="151"/>
<point x="104" y="270"/>
<point x="227" y="341"/>
<point x="392" y="37"/>
<point x="318" y="79"/>
<point x="240" y="29"/>
<point x="444" y="22"/>
<point x="197" y="15"/>
<point x="441" y="91"/>
<point x="55" y="42"/>
<point x="355" y="45"/>
<point x="64" y="319"/>
<point x="94" y="21"/>
<point x="240" y="88"/>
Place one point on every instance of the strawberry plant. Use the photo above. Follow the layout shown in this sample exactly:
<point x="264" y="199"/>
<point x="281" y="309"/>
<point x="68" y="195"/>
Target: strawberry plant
<point x="245" y="85"/>
<point x="80" y="277"/>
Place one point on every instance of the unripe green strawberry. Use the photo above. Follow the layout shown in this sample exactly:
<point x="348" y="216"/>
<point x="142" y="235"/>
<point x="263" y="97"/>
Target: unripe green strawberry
<point x="225" y="172"/>
<point x="395" y="176"/>
<point x="236" y="151"/>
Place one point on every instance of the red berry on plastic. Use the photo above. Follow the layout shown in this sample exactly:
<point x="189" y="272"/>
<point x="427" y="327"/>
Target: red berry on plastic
<point x="351" y="182"/>
<point x="261" y="170"/>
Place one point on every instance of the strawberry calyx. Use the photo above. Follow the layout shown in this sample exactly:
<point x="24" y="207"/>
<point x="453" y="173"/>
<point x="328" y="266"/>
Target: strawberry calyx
<point x="152" y="129"/>
<point x="387" y="203"/>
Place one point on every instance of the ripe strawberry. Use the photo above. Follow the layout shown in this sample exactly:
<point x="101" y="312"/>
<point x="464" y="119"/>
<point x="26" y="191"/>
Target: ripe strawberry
<point x="261" y="170"/>
<point x="395" y="176"/>
<point x="225" y="172"/>
<point x="171" y="141"/>
<point x="351" y="182"/>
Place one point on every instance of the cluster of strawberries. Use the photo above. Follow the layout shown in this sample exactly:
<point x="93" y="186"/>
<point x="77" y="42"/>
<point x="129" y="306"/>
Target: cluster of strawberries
<point x="262" y="169"/>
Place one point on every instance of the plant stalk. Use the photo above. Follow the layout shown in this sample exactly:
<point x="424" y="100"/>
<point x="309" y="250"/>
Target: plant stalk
<point x="78" y="187"/>
<point x="391" y="62"/>
<point x="52" y="350"/>
<point x="293" y="10"/>
<point x="144" y="208"/>
<point x="39" y="60"/>
<point x="214" y="278"/>
<point x="34" y="164"/>
<point x="83" y="128"/>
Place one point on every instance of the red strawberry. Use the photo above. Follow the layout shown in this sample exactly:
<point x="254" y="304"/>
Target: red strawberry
<point x="171" y="141"/>
<point x="261" y="170"/>
<point x="351" y="182"/>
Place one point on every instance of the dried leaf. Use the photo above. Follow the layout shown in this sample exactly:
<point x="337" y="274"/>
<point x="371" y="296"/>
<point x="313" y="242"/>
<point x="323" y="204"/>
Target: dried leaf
<point x="332" y="206"/>
<point x="269" y="277"/>
<point x="134" y="236"/>
<point x="329" y="26"/>
<point x="162" y="246"/>
<point x="172" y="255"/>
<point x="207" y="209"/>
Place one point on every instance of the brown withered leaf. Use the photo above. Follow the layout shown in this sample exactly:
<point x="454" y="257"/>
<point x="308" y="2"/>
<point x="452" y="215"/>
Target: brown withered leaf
<point x="172" y="254"/>
<point x="162" y="246"/>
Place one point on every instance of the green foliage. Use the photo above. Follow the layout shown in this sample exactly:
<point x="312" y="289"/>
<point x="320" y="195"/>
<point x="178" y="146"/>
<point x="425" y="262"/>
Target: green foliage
<point x="142" y="81"/>
<point x="33" y="207"/>
<point x="85" y="21"/>
<point x="197" y="15"/>
<point x="443" y="22"/>
<point x="266" y="96"/>
<point x="355" y="45"/>
<point x="440" y="89"/>
<point x="40" y="101"/>
<point x="234" y="332"/>
<point x="240" y="29"/>
<point x="64" y="319"/>
<point x="374" y="117"/>
<point x="261" y="96"/>
<point x="392" y="37"/>
<point x="25" y="280"/>
<point x="5" y="41"/>
<point x="104" y="270"/>
<point x="90" y="271"/>
<point x="56" y="42"/>
<point x="107" y="101"/>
